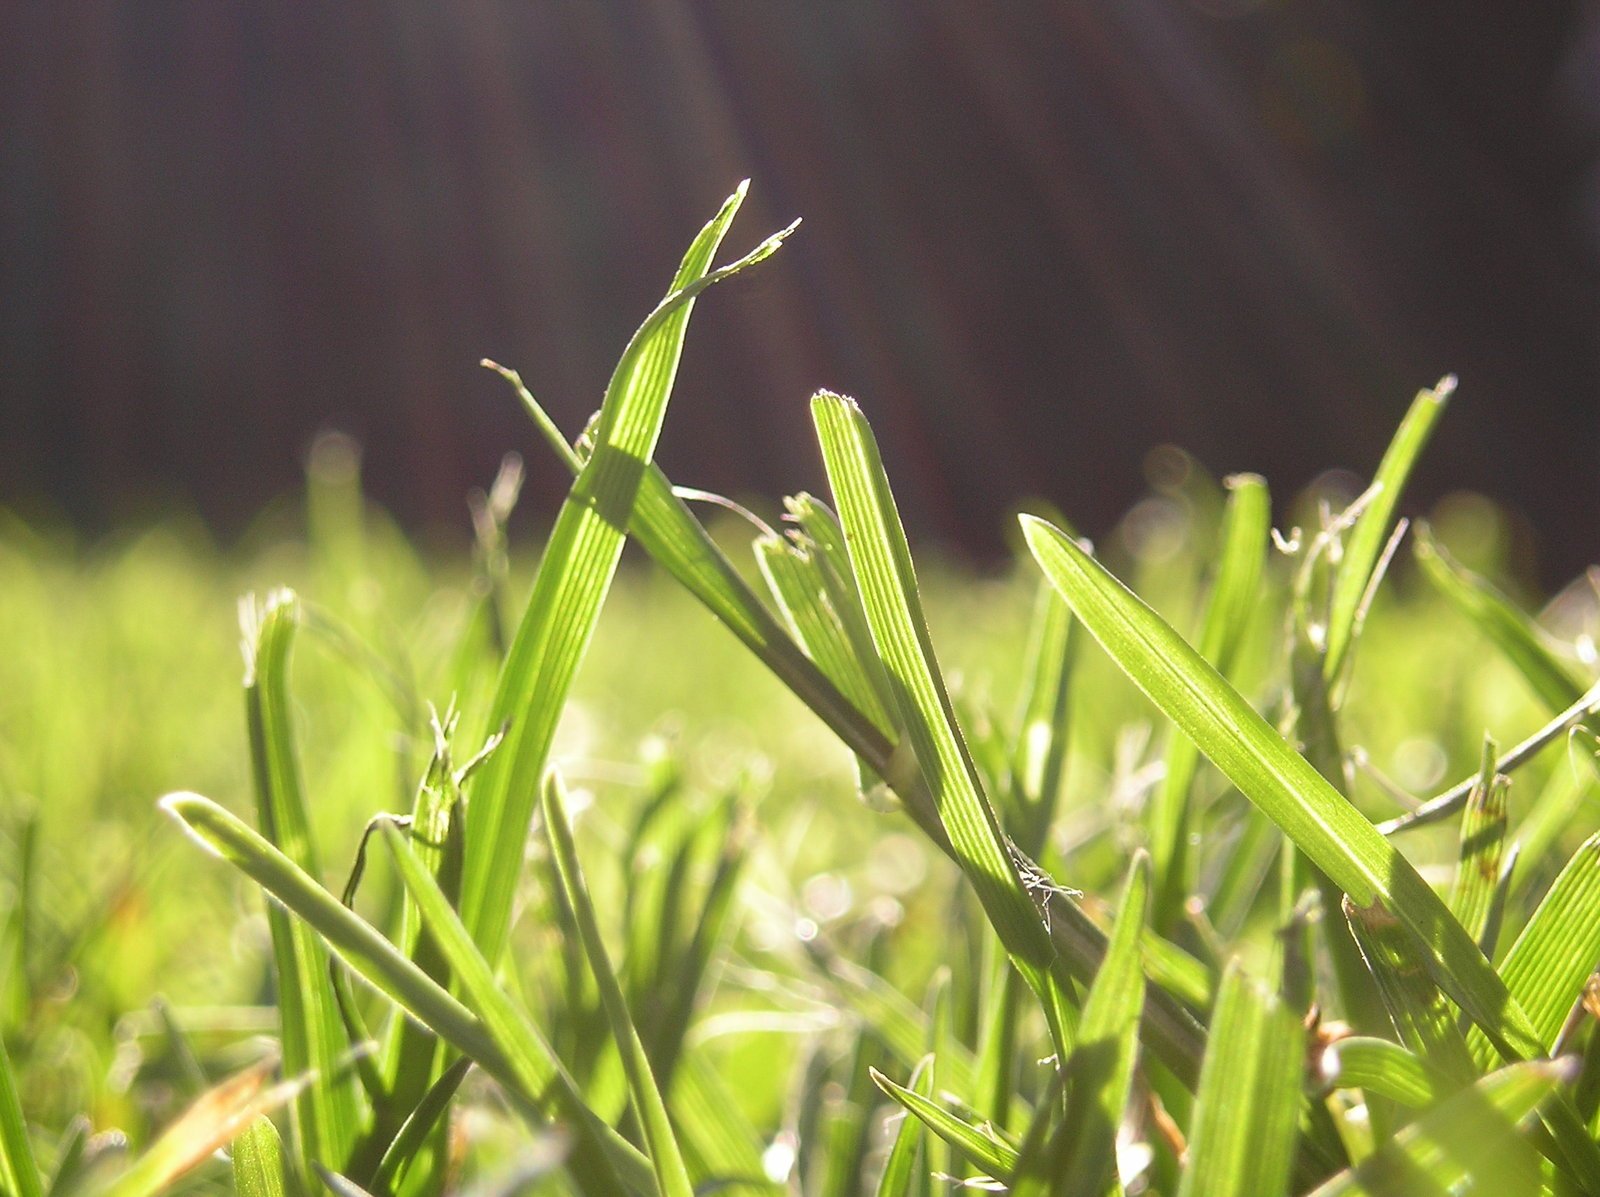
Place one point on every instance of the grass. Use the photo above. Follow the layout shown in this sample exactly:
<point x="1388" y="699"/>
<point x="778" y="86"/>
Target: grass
<point x="792" y="861"/>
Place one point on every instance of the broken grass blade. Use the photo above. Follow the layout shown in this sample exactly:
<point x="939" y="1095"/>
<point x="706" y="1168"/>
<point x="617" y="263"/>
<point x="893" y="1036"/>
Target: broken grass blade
<point x="1254" y="756"/>
<point x="574" y="576"/>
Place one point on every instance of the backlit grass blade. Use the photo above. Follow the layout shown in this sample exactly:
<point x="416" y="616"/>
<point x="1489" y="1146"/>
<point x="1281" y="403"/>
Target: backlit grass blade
<point x="996" y="1158"/>
<point x="1248" y="1107"/>
<point x="1425" y="1021"/>
<point x="327" y="1116"/>
<point x="19" y="1173"/>
<point x="887" y="581"/>
<point x="1385" y="1068"/>
<point x="1474" y="1138"/>
<point x="1559" y="947"/>
<point x="721" y="1145"/>
<point x="258" y="1161"/>
<point x="1304" y="805"/>
<point x="421" y="1123"/>
<point x="1081" y="1161"/>
<point x="899" y="1170"/>
<point x="1039" y="753"/>
<point x="1246" y="523"/>
<point x="574" y="575"/>
<point x="1483" y="836"/>
<point x="672" y="1178"/>
<point x="500" y="1041"/>
<point x="1364" y="544"/>
<point x="1511" y="631"/>
<point x="666" y="529"/>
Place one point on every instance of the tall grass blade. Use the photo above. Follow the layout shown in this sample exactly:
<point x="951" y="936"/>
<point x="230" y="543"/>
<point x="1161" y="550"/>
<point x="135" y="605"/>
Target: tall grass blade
<point x="19" y="1173"/>
<point x="1248" y="1108"/>
<point x="327" y="1114"/>
<point x="661" y="1144"/>
<point x="1473" y="1139"/>
<point x="998" y="1159"/>
<point x="887" y="581"/>
<point x="900" y="1168"/>
<point x="1247" y="521"/>
<point x="1304" y="805"/>
<point x="1364" y="546"/>
<point x="579" y="561"/>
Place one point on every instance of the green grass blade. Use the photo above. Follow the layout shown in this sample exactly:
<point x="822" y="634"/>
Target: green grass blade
<point x="1247" y="521"/>
<point x="1511" y="631"/>
<point x="899" y="1169"/>
<point x="575" y="573"/>
<point x="1365" y="543"/>
<point x="886" y="579"/>
<point x="1426" y="1023"/>
<point x="1248" y="1107"/>
<point x="717" y="1138"/>
<point x="1081" y="1161"/>
<point x="507" y="1048"/>
<point x="1483" y="836"/>
<point x="19" y="1173"/>
<point x="672" y="1177"/>
<point x="1304" y="805"/>
<point x="258" y="1161"/>
<point x="1559" y="947"/>
<point x="1039" y="755"/>
<point x="327" y="1118"/>
<point x="423" y="1121"/>
<point x="997" y="1159"/>
<point x="1385" y="1068"/>
<point x="1473" y="1139"/>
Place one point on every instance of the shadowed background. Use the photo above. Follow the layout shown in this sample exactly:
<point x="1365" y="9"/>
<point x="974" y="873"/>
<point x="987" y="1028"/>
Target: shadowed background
<point x="1040" y="239"/>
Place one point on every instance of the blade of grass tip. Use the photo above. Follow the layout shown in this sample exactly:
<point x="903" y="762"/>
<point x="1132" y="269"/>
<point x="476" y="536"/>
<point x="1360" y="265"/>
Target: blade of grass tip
<point x="881" y="560"/>
<point x="1082" y="1159"/>
<point x="899" y="1169"/>
<point x="667" y="530"/>
<point x="1546" y="967"/>
<point x="1278" y="780"/>
<point x="19" y="1172"/>
<point x="1248" y="1107"/>
<point x="258" y="1161"/>
<point x="997" y="1159"/>
<point x="214" y="1120"/>
<point x="420" y="1124"/>
<point x="1246" y="526"/>
<point x="672" y="1178"/>
<point x="574" y="576"/>
<point x="1365" y="543"/>
<point x="1473" y="1139"/>
<point x="1483" y="836"/>
<point x="505" y="1048"/>
<point x="1379" y="1066"/>
<point x="327" y="1116"/>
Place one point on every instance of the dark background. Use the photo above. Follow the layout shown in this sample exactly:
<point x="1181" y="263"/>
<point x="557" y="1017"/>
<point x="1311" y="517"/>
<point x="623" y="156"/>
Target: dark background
<point x="1040" y="238"/>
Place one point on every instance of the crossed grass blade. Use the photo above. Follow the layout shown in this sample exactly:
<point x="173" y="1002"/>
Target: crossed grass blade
<point x="574" y="575"/>
<point x="1280" y="782"/>
<point x="1246" y="524"/>
<point x="496" y="1036"/>
<point x="661" y="1144"/>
